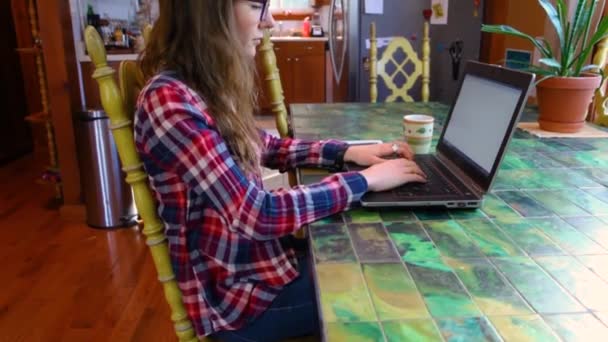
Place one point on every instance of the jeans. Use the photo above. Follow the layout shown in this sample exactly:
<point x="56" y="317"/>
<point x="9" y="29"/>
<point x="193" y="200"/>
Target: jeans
<point x="293" y="313"/>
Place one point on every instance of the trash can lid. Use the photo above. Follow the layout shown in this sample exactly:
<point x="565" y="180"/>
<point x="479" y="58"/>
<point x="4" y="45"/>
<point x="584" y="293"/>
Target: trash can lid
<point x="91" y="114"/>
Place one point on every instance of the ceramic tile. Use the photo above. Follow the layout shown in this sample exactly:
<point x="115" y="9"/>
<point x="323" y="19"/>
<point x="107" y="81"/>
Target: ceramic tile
<point x="494" y="207"/>
<point x="538" y="288"/>
<point x="451" y="239"/>
<point x="600" y="193"/>
<point x="490" y="291"/>
<point x="411" y="330"/>
<point x="432" y="214"/>
<point x="553" y="201"/>
<point x="602" y="316"/>
<point x="526" y="145"/>
<point x="463" y="214"/>
<point x="397" y="215"/>
<point x="362" y="215"/>
<point x="598" y="175"/>
<point x="472" y="329"/>
<point x="586" y="201"/>
<point x="550" y="179"/>
<point x="524" y="204"/>
<point x="524" y="329"/>
<point x="412" y="242"/>
<point x="578" y="145"/>
<point x="489" y="238"/>
<point x="568" y="238"/>
<point x="596" y="263"/>
<point x="578" y="159"/>
<point x="538" y="160"/>
<point x="393" y="292"/>
<point x="518" y="179"/>
<point x="530" y="239"/>
<point x="556" y="144"/>
<point x="567" y="178"/>
<point x="593" y="227"/>
<point x="331" y="244"/>
<point x="372" y="243"/>
<point x="354" y="332"/>
<point x="346" y="300"/>
<point x="334" y="219"/>
<point x="583" y="284"/>
<point x="578" y="327"/>
<point x="442" y="292"/>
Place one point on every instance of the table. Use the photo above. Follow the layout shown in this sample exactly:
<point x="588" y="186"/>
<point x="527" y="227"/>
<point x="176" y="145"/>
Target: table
<point x="530" y="265"/>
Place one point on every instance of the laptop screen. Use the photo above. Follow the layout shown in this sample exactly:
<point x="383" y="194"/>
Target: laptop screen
<point x="482" y="120"/>
<point x="481" y="116"/>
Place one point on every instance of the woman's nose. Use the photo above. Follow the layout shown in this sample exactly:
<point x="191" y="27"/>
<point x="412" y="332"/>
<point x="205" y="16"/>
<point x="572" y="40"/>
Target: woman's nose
<point x="268" y="21"/>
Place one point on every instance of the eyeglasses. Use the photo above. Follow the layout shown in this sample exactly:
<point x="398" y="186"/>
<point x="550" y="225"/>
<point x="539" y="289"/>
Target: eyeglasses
<point x="265" y="6"/>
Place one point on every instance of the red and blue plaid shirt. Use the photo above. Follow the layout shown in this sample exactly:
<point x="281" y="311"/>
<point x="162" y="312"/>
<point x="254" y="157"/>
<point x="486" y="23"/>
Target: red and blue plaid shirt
<point x="223" y="228"/>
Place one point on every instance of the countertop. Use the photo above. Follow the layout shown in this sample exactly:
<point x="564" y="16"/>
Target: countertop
<point x="133" y="56"/>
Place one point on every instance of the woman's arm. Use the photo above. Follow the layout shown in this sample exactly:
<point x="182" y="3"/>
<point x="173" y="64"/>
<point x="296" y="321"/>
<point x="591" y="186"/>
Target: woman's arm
<point x="180" y="139"/>
<point x="287" y="153"/>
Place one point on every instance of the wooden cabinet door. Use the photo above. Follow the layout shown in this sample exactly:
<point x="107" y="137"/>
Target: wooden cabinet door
<point x="309" y="79"/>
<point x="284" y="63"/>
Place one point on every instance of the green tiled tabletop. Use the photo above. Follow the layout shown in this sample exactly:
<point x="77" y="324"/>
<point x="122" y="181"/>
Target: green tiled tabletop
<point x="530" y="265"/>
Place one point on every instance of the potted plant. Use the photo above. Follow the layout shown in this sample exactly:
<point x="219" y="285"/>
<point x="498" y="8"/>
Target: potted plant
<point x="567" y="82"/>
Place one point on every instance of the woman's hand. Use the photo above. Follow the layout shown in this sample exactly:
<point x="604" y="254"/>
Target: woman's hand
<point x="392" y="173"/>
<point x="366" y="155"/>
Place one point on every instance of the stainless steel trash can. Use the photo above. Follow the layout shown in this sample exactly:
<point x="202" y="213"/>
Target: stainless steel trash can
<point x="108" y="198"/>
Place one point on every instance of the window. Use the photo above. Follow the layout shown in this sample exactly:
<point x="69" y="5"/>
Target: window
<point x="290" y="4"/>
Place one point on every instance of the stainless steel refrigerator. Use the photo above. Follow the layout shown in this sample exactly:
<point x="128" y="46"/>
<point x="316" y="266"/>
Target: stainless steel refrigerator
<point x="459" y="39"/>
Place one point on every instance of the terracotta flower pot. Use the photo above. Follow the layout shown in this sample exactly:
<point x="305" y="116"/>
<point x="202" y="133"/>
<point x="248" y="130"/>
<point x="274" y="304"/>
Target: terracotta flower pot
<point x="563" y="102"/>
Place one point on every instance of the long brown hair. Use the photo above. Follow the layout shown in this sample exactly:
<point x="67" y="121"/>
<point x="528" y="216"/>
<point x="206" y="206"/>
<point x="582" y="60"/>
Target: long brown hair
<point x="198" y="40"/>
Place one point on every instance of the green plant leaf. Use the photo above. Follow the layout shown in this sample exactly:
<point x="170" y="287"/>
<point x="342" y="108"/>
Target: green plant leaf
<point x="599" y="34"/>
<point x="550" y="62"/>
<point x="508" y="30"/>
<point x="593" y="67"/>
<point x="556" y="18"/>
<point x="547" y="47"/>
<point x="541" y="71"/>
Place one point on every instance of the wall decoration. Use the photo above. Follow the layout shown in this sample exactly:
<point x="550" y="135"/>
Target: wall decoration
<point x="440" y="12"/>
<point x="476" y="4"/>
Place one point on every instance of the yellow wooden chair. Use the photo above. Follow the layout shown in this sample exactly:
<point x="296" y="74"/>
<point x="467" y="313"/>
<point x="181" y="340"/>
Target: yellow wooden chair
<point x="117" y="103"/>
<point x="274" y="91"/>
<point x="599" y="111"/>
<point x="378" y="67"/>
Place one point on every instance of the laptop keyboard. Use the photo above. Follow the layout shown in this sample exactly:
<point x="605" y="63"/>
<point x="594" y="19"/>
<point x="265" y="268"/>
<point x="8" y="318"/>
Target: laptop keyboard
<point x="436" y="185"/>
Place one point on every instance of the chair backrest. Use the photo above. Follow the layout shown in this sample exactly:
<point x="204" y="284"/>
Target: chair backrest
<point x="599" y="110"/>
<point x="274" y="91"/>
<point x="122" y="130"/>
<point x="379" y="67"/>
<point x="273" y="87"/>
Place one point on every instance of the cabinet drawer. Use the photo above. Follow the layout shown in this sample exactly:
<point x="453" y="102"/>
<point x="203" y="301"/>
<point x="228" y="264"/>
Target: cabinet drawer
<point x="293" y="49"/>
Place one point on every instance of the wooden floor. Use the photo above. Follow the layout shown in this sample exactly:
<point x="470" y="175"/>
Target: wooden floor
<point x="69" y="282"/>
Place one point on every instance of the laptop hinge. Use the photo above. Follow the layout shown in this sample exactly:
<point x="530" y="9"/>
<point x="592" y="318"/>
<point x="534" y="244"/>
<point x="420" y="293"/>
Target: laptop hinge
<point x="468" y="181"/>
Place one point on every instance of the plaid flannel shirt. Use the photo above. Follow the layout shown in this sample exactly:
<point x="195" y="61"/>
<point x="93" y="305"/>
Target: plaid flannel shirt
<point x="223" y="228"/>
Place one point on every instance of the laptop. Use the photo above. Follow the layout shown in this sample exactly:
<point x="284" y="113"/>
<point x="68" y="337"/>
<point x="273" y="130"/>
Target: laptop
<point x="476" y="133"/>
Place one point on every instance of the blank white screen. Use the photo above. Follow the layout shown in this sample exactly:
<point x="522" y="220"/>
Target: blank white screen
<point x="480" y="119"/>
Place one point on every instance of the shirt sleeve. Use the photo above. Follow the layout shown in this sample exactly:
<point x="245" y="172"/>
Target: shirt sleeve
<point x="182" y="141"/>
<point x="287" y="153"/>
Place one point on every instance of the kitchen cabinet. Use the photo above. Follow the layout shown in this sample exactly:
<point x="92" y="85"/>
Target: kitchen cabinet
<point x="302" y="68"/>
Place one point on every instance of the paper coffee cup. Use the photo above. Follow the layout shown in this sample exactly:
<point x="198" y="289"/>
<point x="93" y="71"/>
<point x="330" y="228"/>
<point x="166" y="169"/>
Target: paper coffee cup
<point x="418" y="132"/>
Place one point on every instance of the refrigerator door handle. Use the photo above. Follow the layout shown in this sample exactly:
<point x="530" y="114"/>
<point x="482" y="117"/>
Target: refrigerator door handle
<point x="337" y="69"/>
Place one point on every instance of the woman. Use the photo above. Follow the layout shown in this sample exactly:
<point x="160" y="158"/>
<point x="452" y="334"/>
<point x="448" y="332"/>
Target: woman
<point x="240" y="279"/>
